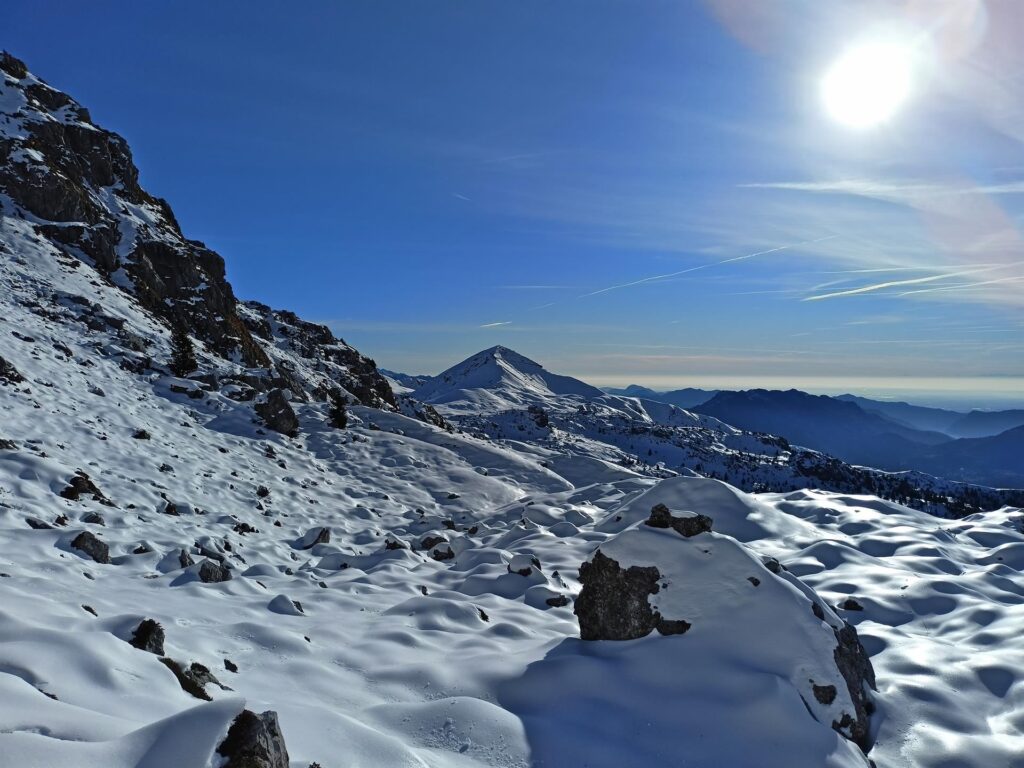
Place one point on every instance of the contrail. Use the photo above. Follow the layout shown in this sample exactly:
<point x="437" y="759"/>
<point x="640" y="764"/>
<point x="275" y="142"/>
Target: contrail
<point x="895" y="283"/>
<point x="654" y="278"/>
<point x="495" y="325"/>
<point x="958" y="286"/>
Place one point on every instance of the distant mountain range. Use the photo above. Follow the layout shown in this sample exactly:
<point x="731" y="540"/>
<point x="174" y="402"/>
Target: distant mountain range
<point x="684" y="398"/>
<point x="953" y="423"/>
<point x="984" y="447"/>
<point x="748" y="438"/>
<point x="843" y="428"/>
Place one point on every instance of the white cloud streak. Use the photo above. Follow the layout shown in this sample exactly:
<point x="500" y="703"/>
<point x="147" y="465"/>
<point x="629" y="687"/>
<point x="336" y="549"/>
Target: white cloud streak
<point x="655" y="278"/>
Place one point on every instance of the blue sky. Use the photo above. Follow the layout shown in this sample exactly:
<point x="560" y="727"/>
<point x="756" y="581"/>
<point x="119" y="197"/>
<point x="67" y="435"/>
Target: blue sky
<point x="434" y="178"/>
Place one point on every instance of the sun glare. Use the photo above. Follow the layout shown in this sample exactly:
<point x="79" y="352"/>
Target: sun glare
<point x="867" y="85"/>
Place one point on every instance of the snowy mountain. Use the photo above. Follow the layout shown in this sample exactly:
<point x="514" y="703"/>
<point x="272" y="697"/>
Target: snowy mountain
<point x="953" y="423"/>
<point x="265" y="557"/>
<point x="834" y="426"/>
<point x="499" y="378"/>
<point x="501" y="395"/>
<point x="845" y="430"/>
<point x="684" y="398"/>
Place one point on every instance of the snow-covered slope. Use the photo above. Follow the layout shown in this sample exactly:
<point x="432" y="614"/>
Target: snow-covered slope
<point x="401" y="593"/>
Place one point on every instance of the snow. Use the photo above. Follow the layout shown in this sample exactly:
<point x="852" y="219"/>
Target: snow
<point x="399" y="658"/>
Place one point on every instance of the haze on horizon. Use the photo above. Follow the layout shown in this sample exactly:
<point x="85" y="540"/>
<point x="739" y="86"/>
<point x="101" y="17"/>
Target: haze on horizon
<point x="827" y="196"/>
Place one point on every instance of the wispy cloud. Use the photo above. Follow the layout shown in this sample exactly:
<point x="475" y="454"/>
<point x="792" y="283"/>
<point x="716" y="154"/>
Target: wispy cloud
<point x="898" y="191"/>
<point x="966" y="286"/>
<point x="495" y="325"/>
<point x="655" y="278"/>
<point x="915" y="281"/>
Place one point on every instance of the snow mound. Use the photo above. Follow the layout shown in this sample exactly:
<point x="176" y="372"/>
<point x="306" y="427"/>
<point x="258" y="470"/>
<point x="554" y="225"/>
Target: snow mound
<point x="738" y="618"/>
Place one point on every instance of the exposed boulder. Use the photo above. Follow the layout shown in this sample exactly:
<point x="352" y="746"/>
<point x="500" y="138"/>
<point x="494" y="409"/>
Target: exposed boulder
<point x="91" y="546"/>
<point x="9" y="374"/>
<point x="524" y="565"/>
<point x="149" y="636"/>
<point x="855" y="667"/>
<point x="685" y="525"/>
<point x="185" y="559"/>
<point x="254" y="741"/>
<point x="277" y="413"/>
<point x="193" y="679"/>
<point x="313" y="537"/>
<point x="613" y="603"/>
<point x="211" y="572"/>
<point x="80" y="485"/>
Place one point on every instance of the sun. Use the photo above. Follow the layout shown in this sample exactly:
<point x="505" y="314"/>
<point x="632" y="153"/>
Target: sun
<point x="866" y="86"/>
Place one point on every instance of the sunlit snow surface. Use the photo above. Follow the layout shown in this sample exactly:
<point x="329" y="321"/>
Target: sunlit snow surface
<point x="403" y="660"/>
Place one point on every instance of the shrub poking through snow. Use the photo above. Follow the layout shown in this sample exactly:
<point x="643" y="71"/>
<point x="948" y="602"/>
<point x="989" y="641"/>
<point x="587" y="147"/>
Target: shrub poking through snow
<point x="183" y="355"/>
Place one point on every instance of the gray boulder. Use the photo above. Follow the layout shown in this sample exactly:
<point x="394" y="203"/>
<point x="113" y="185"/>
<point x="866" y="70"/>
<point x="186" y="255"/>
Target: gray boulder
<point x="254" y="741"/>
<point x="91" y="546"/>
<point x="276" y="412"/>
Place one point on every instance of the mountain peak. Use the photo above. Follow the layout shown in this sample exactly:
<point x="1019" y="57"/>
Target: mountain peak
<point x="501" y="378"/>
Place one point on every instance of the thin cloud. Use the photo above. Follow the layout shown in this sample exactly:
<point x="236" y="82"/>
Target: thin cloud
<point x="655" y="278"/>
<point x="965" y="286"/>
<point x="896" y="283"/>
<point x="885" y="190"/>
<point x="495" y="325"/>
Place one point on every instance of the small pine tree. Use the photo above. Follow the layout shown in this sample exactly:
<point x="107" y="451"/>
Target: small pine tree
<point x="338" y="413"/>
<point x="183" y="355"/>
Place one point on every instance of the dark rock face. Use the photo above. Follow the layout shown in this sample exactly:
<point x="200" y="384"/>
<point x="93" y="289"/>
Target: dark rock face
<point x="336" y="362"/>
<point x="613" y="604"/>
<point x="211" y="572"/>
<point x="855" y="667"/>
<point x="9" y="374"/>
<point x="277" y="413"/>
<point x="91" y="546"/>
<point x="149" y="636"/>
<point x="254" y="741"/>
<point x="688" y="526"/>
<point x="79" y="162"/>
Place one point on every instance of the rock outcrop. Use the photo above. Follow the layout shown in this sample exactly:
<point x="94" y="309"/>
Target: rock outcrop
<point x="149" y="637"/>
<point x="254" y="741"/>
<point x="277" y="413"/>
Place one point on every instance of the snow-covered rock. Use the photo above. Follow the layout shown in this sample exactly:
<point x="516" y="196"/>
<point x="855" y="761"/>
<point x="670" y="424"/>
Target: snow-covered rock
<point x="663" y="575"/>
